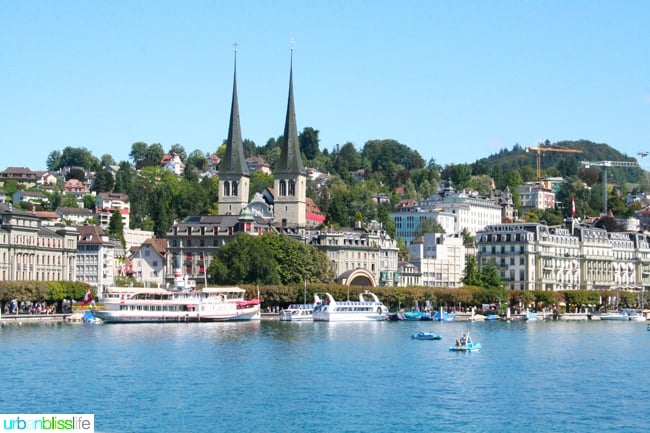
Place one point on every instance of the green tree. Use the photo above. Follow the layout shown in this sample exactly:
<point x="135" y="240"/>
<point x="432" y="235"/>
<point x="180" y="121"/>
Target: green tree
<point x="245" y="259"/>
<point x="309" y="143"/>
<point x="89" y="201"/>
<point x="116" y="227"/>
<point x="104" y="181"/>
<point x="196" y="159"/>
<point x="138" y="151"/>
<point x="490" y="275"/>
<point x="53" y="160"/>
<point x="106" y="160"/>
<point x="471" y="274"/>
<point x="179" y="150"/>
<point x="124" y="179"/>
<point x="11" y="186"/>
<point x="468" y="238"/>
<point x="461" y="175"/>
<point x="78" y="157"/>
<point x="259" y="181"/>
<point x="76" y="173"/>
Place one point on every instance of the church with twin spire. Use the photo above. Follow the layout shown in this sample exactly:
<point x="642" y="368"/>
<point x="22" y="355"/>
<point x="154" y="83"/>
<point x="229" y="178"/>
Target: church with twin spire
<point x="283" y="208"/>
<point x="289" y="191"/>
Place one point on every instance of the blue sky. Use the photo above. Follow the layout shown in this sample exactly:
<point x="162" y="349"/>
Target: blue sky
<point x="454" y="80"/>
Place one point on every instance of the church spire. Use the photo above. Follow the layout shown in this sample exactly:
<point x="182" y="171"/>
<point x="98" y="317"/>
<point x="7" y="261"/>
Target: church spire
<point x="290" y="159"/>
<point x="234" y="161"/>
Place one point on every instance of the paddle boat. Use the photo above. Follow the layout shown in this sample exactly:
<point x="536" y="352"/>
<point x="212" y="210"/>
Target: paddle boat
<point x="426" y="336"/>
<point x="465" y="344"/>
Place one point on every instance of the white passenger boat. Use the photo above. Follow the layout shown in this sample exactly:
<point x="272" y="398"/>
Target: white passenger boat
<point x="623" y="316"/>
<point x="161" y="305"/>
<point x="367" y="308"/>
<point x="297" y="313"/>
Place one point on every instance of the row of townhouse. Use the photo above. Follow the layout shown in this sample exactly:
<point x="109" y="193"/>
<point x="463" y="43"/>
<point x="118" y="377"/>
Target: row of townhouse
<point x="34" y="248"/>
<point x="533" y="256"/>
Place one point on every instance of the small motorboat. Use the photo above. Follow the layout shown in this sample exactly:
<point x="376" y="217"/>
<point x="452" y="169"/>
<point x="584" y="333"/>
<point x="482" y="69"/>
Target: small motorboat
<point x="426" y="336"/>
<point x="416" y="315"/>
<point x="465" y="344"/>
<point x="442" y="316"/>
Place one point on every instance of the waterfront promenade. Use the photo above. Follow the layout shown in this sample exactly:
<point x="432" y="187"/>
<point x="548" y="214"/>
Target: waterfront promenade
<point x="23" y="318"/>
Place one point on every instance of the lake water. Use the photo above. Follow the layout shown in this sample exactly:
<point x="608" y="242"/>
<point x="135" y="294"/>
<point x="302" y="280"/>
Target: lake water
<point x="273" y="376"/>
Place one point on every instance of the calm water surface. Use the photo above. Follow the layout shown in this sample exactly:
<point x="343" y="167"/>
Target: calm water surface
<point x="323" y="377"/>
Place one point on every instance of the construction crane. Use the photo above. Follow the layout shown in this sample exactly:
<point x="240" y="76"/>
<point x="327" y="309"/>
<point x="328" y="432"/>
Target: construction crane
<point x="604" y="165"/>
<point x="539" y="149"/>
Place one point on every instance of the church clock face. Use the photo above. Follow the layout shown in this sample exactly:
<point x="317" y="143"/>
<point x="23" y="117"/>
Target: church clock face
<point x="260" y="209"/>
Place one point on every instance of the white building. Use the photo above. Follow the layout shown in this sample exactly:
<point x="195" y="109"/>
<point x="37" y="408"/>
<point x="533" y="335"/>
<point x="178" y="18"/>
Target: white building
<point x="368" y="254"/>
<point x="106" y="203"/>
<point x="454" y="211"/>
<point x="172" y="162"/>
<point x="29" y="197"/>
<point x="536" y="195"/>
<point x="135" y="237"/>
<point x="148" y="263"/>
<point x="31" y="251"/>
<point x="75" y="215"/>
<point x="440" y="259"/>
<point x="95" y="263"/>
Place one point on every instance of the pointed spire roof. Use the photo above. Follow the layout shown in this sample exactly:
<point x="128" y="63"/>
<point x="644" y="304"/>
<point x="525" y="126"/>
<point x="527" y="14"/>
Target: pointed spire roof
<point x="234" y="161"/>
<point x="290" y="160"/>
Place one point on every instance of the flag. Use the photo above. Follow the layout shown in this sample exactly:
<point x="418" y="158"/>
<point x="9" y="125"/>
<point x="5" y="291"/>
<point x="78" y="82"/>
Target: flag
<point x="573" y="205"/>
<point x="88" y="298"/>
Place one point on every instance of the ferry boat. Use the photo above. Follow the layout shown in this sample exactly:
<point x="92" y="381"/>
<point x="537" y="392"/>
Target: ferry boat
<point x="367" y="308"/>
<point x="161" y="305"/>
<point x="183" y="303"/>
<point x="297" y="313"/>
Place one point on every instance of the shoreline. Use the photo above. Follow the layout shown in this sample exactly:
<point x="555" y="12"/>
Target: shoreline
<point x="14" y="318"/>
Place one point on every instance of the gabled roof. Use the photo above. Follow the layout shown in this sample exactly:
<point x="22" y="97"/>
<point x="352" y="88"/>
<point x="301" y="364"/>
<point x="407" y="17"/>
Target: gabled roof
<point x="91" y="234"/>
<point x="159" y="245"/>
<point x="74" y="211"/>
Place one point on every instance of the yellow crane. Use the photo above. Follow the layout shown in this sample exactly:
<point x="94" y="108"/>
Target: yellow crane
<point x="540" y="149"/>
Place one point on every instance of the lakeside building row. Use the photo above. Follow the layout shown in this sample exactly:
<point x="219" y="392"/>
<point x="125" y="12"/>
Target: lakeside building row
<point x="530" y="256"/>
<point x="533" y="256"/>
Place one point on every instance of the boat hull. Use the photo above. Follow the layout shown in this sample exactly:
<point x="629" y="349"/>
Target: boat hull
<point x="145" y="317"/>
<point x="426" y="336"/>
<point x="469" y="347"/>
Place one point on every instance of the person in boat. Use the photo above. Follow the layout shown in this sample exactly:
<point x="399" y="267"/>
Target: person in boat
<point x="457" y="343"/>
<point x="463" y="340"/>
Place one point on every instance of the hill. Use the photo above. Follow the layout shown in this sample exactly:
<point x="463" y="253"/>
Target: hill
<point x="563" y="163"/>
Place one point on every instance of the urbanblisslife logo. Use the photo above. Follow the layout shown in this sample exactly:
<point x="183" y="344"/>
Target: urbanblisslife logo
<point x="38" y="422"/>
